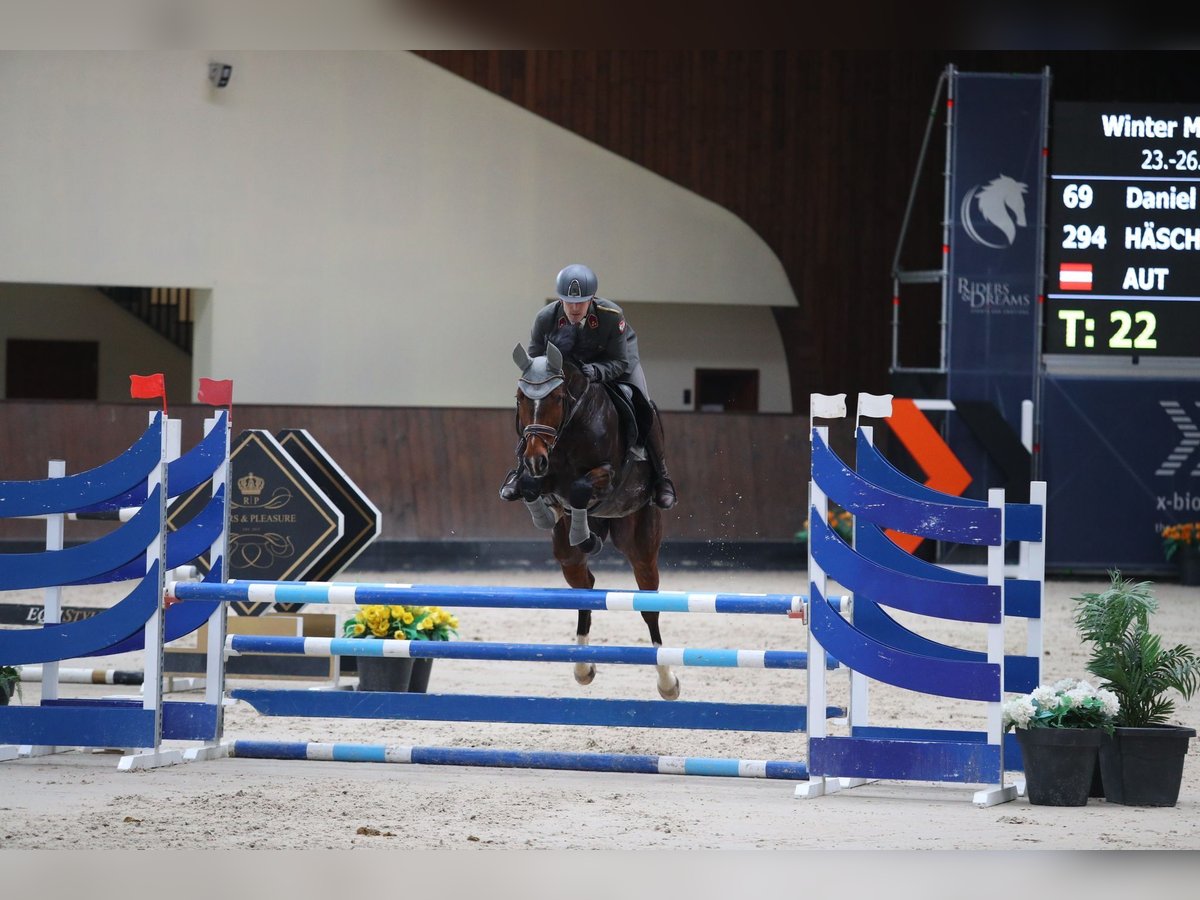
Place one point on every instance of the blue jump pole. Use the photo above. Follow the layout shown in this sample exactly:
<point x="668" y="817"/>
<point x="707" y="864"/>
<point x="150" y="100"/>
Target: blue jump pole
<point x="569" y="653"/>
<point x="490" y="597"/>
<point x="521" y="759"/>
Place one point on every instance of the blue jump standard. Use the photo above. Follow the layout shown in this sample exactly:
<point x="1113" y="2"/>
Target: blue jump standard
<point x="521" y="759"/>
<point x="570" y="653"/>
<point x="490" y="597"/>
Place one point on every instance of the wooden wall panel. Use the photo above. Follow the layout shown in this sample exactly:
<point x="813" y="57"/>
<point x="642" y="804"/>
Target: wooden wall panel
<point x="434" y="473"/>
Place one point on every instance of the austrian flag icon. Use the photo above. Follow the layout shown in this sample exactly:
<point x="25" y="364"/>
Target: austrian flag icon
<point x="1075" y="276"/>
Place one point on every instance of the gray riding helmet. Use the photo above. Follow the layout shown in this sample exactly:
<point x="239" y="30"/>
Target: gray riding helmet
<point x="576" y="283"/>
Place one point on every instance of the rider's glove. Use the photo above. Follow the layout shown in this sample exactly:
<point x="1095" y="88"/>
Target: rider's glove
<point x="591" y="371"/>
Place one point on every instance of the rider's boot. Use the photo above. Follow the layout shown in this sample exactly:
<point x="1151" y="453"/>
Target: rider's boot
<point x="664" y="488"/>
<point x="508" y="490"/>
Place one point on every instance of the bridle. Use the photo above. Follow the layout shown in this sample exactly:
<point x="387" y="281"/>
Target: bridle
<point x="548" y="433"/>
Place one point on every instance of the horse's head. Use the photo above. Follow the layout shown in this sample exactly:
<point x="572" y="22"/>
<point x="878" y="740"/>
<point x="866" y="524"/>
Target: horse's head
<point x="998" y="198"/>
<point x="543" y="404"/>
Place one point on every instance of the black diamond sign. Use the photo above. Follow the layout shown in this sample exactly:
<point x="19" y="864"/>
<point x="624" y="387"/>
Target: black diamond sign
<point x="281" y="524"/>
<point x="361" y="518"/>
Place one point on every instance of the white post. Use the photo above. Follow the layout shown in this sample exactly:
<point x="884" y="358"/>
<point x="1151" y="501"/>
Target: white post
<point x="1001" y="792"/>
<point x="152" y="686"/>
<point x="214" y="666"/>
<point x="827" y="407"/>
<point x="51" y="610"/>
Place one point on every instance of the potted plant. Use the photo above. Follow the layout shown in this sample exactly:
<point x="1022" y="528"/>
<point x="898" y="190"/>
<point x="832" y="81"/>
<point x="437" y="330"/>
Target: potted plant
<point x="1059" y="728"/>
<point x="1181" y="543"/>
<point x="395" y="622"/>
<point x="1141" y="762"/>
<point x="433" y="624"/>
<point x="10" y="683"/>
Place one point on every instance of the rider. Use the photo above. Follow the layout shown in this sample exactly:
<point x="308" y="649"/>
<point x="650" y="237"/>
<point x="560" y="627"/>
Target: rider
<point x="594" y="332"/>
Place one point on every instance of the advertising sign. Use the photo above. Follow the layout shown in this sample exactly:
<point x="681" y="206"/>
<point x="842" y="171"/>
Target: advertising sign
<point x="997" y="170"/>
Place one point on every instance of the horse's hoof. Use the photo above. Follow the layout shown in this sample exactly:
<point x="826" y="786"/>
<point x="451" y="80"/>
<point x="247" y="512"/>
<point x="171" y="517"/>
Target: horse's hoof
<point x="671" y="693"/>
<point x="585" y="675"/>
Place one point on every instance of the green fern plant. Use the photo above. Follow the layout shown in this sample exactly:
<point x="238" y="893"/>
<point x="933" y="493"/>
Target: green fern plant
<point x="10" y="680"/>
<point x="1129" y="658"/>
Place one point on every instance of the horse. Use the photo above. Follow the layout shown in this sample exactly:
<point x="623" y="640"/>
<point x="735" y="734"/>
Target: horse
<point x="581" y="480"/>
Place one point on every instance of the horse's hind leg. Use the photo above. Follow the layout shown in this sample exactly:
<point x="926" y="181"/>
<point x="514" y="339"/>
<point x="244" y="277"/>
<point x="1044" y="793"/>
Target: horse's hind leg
<point x="575" y="571"/>
<point x="639" y="537"/>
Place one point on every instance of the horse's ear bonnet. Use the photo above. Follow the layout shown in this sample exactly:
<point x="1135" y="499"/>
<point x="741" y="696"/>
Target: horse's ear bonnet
<point x="541" y="374"/>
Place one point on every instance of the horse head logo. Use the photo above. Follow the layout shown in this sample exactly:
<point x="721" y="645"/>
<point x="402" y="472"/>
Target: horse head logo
<point x="1001" y="204"/>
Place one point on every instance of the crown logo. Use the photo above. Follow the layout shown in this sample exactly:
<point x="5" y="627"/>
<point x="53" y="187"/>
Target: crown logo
<point x="251" y="485"/>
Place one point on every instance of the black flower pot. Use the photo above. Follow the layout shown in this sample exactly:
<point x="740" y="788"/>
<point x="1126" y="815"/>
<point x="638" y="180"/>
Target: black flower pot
<point x="384" y="673"/>
<point x="1144" y="766"/>
<point x="419" y="682"/>
<point x="1189" y="564"/>
<point x="1059" y="764"/>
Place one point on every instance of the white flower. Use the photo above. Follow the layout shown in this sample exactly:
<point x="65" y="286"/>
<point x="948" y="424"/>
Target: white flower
<point x="1018" y="711"/>
<point x="1065" y="684"/>
<point x="1077" y="697"/>
<point x="1112" y="705"/>
<point x="1045" y="697"/>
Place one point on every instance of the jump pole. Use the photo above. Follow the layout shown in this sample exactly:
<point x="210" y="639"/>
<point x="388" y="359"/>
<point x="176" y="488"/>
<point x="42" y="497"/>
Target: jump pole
<point x="519" y="759"/>
<point x="791" y="605"/>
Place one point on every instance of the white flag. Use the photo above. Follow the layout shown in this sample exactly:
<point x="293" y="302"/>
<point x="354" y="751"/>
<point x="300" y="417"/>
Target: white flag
<point x="827" y="406"/>
<point x="875" y="406"/>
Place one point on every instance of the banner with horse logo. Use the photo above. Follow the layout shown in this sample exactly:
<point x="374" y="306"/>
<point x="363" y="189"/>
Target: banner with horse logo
<point x="994" y="209"/>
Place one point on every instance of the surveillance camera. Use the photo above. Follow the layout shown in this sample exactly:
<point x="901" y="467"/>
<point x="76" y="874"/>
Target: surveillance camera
<point x="219" y="73"/>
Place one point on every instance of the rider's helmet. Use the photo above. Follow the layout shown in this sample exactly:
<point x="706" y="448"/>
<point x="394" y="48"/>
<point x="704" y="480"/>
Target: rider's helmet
<point x="576" y="283"/>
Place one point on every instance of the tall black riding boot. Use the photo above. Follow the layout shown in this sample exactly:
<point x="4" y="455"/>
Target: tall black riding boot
<point x="664" y="488"/>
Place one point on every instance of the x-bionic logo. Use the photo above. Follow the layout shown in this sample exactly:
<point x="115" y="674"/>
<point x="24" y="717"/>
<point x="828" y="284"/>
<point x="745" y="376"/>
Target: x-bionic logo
<point x="1187" y="445"/>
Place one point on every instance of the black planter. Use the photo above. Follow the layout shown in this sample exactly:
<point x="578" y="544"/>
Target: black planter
<point x="1189" y="564"/>
<point x="1059" y="764"/>
<point x="384" y="673"/>
<point x="419" y="682"/>
<point x="1144" y="766"/>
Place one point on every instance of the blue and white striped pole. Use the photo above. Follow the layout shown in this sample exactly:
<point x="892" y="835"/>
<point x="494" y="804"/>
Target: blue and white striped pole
<point x="793" y="605"/>
<point x="572" y="653"/>
<point x="520" y="759"/>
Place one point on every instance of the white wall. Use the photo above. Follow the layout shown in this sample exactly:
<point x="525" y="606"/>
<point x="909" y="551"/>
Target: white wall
<point x="373" y="229"/>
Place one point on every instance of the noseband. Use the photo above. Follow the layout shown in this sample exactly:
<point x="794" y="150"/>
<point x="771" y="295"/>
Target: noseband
<point x="548" y="433"/>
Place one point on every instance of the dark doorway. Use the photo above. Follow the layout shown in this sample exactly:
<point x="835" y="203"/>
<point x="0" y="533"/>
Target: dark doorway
<point x="727" y="390"/>
<point x="53" y="370"/>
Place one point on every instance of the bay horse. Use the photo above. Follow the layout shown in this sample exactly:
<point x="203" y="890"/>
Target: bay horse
<point x="581" y="479"/>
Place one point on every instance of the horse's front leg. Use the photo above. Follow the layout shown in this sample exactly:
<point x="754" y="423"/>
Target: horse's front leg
<point x="575" y="571"/>
<point x="593" y="484"/>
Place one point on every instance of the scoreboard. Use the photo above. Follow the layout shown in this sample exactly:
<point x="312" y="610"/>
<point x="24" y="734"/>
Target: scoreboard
<point x="1123" y="230"/>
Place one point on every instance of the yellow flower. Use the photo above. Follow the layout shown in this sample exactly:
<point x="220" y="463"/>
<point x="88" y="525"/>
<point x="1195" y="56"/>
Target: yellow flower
<point x="359" y="628"/>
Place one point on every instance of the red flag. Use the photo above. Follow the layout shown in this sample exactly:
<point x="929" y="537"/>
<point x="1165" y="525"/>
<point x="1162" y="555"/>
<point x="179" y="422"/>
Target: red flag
<point x="148" y="387"/>
<point x="215" y="393"/>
